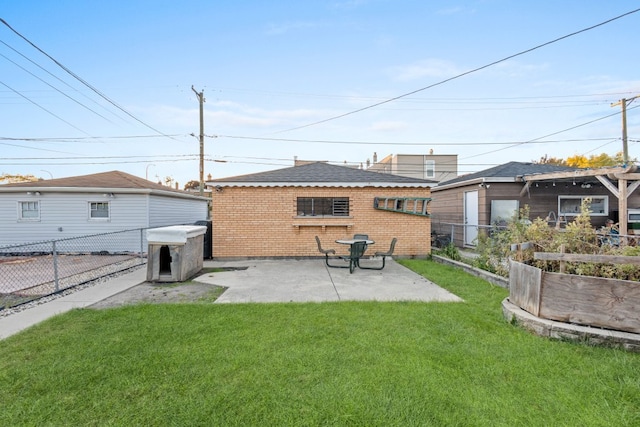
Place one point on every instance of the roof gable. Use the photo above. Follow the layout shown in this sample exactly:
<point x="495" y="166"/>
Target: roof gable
<point x="508" y="170"/>
<point x="319" y="173"/>
<point x="98" y="181"/>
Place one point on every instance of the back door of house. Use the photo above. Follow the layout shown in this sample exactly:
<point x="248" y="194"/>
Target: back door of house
<point x="470" y="217"/>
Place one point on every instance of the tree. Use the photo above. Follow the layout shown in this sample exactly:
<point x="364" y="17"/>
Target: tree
<point x="10" y="179"/>
<point x="192" y="185"/>
<point x="546" y="160"/>
<point x="581" y="161"/>
<point x="595" y="160"/>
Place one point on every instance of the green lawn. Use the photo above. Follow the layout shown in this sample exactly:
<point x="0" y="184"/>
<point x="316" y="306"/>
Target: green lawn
<point x="345" y="363"/>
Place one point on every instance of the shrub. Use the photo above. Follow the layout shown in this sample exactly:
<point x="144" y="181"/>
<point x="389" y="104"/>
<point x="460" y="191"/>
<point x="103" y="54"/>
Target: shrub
<point x="494" y="248"/>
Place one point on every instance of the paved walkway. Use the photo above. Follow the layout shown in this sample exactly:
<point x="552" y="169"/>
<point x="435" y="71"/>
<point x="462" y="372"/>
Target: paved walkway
<point x="261" y="281"/>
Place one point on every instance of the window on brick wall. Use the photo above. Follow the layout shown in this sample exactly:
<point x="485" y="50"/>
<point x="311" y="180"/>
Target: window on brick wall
<point x="323" y="206"/>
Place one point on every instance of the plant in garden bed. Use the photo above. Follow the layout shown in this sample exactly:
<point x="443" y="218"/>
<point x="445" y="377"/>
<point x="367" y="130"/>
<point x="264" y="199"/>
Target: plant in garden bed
<point x="579" y="237"/>
<point x="449" y="251"/>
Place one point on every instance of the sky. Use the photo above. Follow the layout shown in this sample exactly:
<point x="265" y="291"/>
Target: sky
<point x="94" y="86"/>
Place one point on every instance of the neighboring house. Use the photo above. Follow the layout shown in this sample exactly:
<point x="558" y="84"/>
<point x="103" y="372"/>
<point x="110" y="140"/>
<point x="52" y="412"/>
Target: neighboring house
<point x="436" y="167"/>
<point x="91" y="204"/>
<point x="494" y="195"/>
<point x="278" y="213"/>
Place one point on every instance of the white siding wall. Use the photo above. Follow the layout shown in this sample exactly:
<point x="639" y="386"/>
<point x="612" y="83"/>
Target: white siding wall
<point x="64" y="215"/>
<point x="170" y="211"/>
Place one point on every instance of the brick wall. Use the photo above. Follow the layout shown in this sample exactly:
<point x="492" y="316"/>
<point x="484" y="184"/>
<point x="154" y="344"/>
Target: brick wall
<point x="263" y="222"/>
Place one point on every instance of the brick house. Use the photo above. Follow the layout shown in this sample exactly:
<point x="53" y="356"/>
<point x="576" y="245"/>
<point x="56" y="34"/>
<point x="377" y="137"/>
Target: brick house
<point x="278" y="213"/>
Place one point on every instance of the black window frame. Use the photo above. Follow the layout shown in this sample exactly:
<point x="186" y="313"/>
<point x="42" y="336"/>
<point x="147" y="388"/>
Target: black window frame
<point x="323" y="206"/>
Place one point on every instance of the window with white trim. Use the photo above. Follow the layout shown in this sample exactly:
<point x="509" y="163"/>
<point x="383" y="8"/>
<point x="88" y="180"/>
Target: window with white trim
<point x="570" y="205"/>
<point x="429" y="168"/>
<point x="29" y="211"/>
<point x="99" y="210"/>
<point x="323" y="206"/>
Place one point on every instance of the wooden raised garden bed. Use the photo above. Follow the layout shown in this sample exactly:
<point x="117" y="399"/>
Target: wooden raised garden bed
<point x="584" y="300"/>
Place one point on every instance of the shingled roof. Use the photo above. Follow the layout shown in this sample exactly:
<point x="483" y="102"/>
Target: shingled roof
<point x="320" y="174"/>
<point x="508" y="172"/>
<point x="97" y="182"/>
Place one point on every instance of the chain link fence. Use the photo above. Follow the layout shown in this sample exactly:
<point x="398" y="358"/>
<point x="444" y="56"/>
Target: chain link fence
<point x="461" y="235"/>
<point x="34" y="270"/>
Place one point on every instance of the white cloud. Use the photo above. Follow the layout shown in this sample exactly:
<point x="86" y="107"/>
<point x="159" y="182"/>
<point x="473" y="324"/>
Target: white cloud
<point x="388" y="126"/>
<point x="518" y="69"/>
<point x="277" y="29"/>
<point x="455" y="10"/>
<point x="426" y="68"/>
<point x="349" y="4"/>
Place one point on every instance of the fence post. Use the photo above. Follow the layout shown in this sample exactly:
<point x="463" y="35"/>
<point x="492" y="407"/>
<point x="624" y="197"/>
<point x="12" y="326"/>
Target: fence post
<point x="141" y="242"/>
<point x="452" y="236"/>
<point x="55" y="266"/>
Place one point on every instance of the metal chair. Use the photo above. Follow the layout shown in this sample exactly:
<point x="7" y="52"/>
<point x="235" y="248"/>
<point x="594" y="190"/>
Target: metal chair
<point x="363" y="237"/>
<point x="355" y="253"/>
<point x="384" y="256"/>
<point x="326" y="253"/>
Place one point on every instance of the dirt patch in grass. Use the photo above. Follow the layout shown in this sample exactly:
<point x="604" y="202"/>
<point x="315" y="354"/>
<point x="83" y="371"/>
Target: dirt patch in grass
<point x="166" y="293"/>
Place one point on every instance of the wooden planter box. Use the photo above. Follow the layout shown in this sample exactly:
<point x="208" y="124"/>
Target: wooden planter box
<point x="592" y="301"/>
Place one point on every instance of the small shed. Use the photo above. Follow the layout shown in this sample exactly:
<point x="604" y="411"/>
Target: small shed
<point x="175" y="252"/>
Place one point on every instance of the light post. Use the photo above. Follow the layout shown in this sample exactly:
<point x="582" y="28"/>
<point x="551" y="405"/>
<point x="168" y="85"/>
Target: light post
<point x="146" y="172"/>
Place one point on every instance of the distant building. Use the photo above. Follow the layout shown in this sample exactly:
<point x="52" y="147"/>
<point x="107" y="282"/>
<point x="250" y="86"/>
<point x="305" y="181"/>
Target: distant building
<point x="436" y="167"/>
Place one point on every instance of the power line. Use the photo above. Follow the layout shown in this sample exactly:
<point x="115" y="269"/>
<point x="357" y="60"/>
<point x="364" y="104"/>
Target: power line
<point x="31" y="163"/>
<point x="102" y="157"/>
<point x="461" y="75"/>
<point x="434" y="100"/>
<point x="536" y="140"/>
<point x="55" y="88"/>
<point x="84" y="82"/>
<point x="89" y="139"/>
<point x="320" y="141"/>
<point x="59" y="79"/>
<point x="41" y="107"/>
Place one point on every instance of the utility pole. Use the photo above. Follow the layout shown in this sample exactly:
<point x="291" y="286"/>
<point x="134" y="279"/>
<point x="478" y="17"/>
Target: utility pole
<point x="200" y="96"/>
<point x="625" y="150"/>
<point x="622" y="183"/>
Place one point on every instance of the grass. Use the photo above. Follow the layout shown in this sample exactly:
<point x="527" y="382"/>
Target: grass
<point x="346" y="363"/>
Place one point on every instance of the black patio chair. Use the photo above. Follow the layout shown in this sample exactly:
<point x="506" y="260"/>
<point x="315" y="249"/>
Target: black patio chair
<point x="355" y="253"/>
<point x="326" y="253"/>
<point x="384" y="256"/>
<point x="363" y="237"/>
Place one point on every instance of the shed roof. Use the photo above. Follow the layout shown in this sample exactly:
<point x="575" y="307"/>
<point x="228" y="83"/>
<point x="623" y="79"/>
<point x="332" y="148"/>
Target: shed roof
<point x="112" y="181"/>
<point x="318" y="174"/>
<point x="508" y="172"/>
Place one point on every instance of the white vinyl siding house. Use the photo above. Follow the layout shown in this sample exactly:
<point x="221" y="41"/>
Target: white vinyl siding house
<point x="171" y="211"/>
<point x="93" y="204"/>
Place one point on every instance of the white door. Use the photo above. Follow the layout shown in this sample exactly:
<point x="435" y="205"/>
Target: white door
<point x="470" y="217"/>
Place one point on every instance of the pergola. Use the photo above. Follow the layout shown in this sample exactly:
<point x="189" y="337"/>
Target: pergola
<point x="627" y="179"/>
